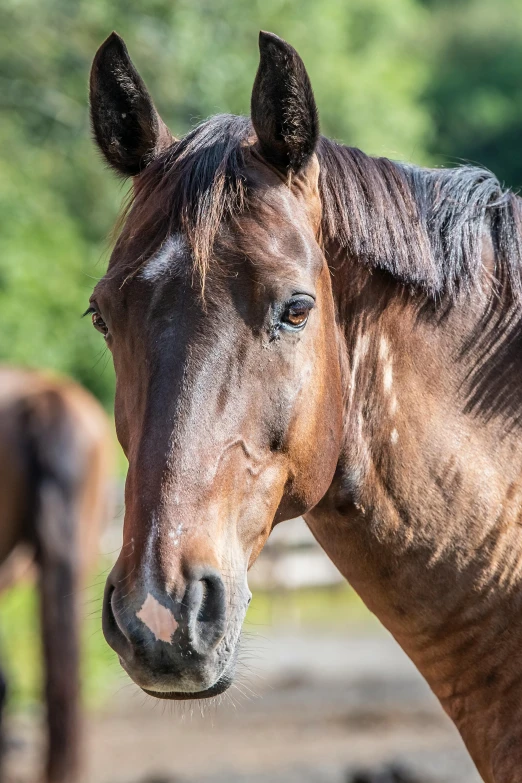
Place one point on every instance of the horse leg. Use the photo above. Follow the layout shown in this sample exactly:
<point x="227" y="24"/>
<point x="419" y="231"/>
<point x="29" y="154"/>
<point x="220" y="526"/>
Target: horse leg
<point x="3" y="699"/>
<point x="57" y="467"/>
<point x="58" y="611"/>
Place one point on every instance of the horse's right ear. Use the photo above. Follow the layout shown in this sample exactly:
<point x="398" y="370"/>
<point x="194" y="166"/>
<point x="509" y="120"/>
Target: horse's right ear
<point x="283" y="110"/>
<point x="125" y="124"/>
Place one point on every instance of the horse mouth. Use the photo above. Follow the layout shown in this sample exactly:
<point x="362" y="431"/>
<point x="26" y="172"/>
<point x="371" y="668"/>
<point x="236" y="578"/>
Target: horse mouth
<point x="220" y="686"/>
<point x="224" y="682"/>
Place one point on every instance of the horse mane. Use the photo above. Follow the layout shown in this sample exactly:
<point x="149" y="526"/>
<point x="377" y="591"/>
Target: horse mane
<point x="423" y="226"/>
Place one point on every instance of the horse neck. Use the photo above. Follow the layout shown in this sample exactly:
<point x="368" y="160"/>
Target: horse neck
<point x="423" y="517"/>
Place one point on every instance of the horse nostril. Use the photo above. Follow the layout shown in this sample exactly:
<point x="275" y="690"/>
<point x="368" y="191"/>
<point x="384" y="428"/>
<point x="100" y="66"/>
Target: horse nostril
<point x="212" y="599"/>
<point x="205" y="602"/>
<point x="110" y="626"/>
<point x="204" y="593"/>
<point x="107" y="612"/>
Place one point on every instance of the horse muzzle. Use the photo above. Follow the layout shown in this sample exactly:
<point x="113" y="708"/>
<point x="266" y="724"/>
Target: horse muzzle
<point x="175" y="648"/>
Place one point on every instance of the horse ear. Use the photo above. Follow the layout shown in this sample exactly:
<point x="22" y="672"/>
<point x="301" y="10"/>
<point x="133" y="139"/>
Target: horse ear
<point x="283" y="110"/>
<point x="125" y="124"/>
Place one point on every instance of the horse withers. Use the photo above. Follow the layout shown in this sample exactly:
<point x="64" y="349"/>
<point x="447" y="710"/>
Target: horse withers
<point x="298" y="328"/>
<point x="55" y="455"/>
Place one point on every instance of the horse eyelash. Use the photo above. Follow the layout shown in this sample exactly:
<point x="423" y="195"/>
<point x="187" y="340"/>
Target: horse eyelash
<point x="90" y="310"/>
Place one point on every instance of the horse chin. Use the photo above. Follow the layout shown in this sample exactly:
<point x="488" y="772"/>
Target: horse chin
<point x="220" y="686"/>
<point x="224" y="682"/>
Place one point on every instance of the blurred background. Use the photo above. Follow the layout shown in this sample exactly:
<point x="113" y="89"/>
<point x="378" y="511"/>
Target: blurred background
<point x="435" y="82"/>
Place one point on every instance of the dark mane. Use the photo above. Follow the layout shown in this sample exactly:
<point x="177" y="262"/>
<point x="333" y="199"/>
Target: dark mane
<point x="423" y="226"/>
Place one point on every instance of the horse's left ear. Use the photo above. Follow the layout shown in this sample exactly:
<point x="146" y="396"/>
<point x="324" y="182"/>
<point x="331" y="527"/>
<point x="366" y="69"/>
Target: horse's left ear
<point x="125" y="123"/>
<point x="284" y="114"/>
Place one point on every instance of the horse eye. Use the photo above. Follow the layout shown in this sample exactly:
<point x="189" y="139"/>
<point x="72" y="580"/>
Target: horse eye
<point x="99" y="324"/>
<point x="296" y="313"/>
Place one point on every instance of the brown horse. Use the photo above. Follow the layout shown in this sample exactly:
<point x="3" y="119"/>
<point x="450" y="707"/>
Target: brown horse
<point x="298" y="328"/>
<point x="54" y="449"/>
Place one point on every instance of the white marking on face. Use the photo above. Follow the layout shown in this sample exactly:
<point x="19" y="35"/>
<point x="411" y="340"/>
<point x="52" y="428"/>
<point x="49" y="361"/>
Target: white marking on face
<point x="176" y="534"/>
<point x="170" y="256"/>
<point x="394" y="437"/>
<point x="150" y="546"/>
<point x="158" y="619"/>
<point x="393" y="405"/>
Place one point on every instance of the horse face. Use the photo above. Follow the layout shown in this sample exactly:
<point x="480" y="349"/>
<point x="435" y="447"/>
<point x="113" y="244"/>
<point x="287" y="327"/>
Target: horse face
<point x="228" y="401"/>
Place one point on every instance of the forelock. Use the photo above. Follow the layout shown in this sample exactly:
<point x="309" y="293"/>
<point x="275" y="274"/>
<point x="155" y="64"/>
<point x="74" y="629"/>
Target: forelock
<point x="189" y="190"/>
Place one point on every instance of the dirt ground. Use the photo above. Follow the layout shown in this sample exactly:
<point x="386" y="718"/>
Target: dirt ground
<point x="308" y="707"/>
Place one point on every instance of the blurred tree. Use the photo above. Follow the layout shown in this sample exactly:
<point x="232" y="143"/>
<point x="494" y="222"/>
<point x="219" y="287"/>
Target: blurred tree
<point x="57" y="204"/>
<point x="475" y="92"/>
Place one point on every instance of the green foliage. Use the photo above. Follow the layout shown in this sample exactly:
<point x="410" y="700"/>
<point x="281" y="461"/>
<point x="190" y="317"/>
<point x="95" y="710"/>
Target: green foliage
<point x="57" y="203"/>
<point x="421" y="80"/>
<point x="475" y="91"/>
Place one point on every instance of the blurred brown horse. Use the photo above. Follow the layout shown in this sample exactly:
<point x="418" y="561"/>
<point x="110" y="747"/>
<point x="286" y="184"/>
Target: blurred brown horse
<point x="298" y="328"/>
<point x="54" y="456"/>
